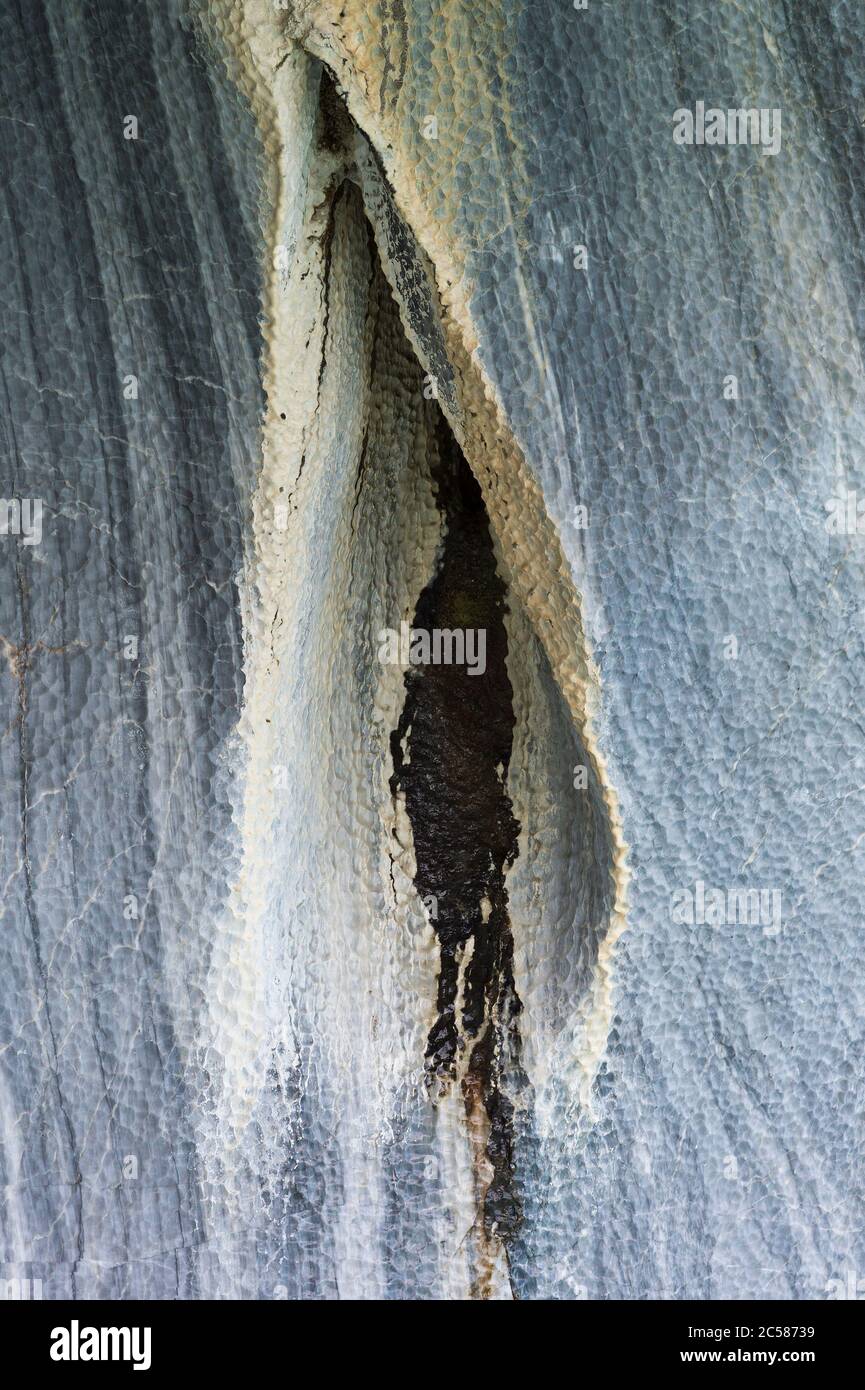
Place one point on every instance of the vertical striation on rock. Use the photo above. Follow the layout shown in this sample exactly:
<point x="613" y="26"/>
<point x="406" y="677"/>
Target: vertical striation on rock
<point x="329" y="321"/>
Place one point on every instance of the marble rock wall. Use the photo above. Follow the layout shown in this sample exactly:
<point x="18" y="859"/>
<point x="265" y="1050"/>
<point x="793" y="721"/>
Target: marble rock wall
<point x="267" y="265"/>
<point x="131" y="400"/>
<point x="720" y="592"/>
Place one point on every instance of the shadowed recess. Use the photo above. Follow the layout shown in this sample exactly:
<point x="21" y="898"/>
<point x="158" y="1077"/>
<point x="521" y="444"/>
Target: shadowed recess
<point x="451" y="751"/>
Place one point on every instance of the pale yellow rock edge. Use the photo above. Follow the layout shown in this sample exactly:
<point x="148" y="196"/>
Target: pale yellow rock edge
<point x="262" y="44"/>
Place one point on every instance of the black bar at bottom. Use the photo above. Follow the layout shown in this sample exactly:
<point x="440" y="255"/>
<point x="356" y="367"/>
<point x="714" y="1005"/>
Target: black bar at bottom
<point x="155" y="1339"/>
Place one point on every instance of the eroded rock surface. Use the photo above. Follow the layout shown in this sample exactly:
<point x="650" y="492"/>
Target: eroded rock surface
<point x="350" y="243"/>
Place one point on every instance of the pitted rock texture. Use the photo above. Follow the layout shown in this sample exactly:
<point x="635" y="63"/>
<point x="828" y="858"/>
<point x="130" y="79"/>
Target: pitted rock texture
<point x="121" y="632"/>
<point x="219" y="977"/>
<point x="723" y="1156"/>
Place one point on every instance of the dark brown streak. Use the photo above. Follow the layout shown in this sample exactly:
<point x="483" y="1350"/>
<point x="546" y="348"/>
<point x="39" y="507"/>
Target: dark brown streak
<point x="459" y="729"/>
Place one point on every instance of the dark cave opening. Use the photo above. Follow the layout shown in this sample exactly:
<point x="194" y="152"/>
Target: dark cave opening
<point x="451" y="751"/>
